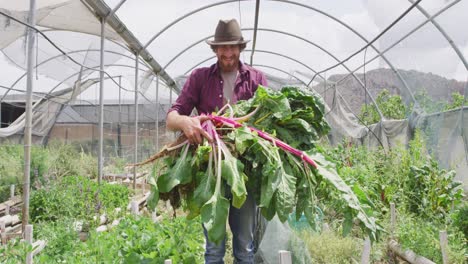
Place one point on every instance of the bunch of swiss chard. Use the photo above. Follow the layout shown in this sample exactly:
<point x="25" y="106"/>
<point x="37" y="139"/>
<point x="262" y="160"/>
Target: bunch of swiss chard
<point x="249" y="155"/>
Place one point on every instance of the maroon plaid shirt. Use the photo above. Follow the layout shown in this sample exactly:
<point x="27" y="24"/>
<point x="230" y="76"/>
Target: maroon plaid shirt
<point x="203" y="90"/>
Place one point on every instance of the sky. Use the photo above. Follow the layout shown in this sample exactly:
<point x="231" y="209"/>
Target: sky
<point x="425" y="51"/>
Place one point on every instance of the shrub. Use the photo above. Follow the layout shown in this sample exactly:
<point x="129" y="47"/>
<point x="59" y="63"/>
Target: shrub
<point x="77" y="197"/>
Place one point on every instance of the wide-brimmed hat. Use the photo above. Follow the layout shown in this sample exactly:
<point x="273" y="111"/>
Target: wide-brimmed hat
<point x="227" y="32"/>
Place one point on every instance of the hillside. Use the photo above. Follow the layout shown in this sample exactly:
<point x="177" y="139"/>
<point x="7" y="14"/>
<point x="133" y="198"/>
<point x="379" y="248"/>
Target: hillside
<point x="436" y="86"/>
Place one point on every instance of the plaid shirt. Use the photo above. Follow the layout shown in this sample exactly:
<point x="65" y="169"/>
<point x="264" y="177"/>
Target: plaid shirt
<point x="203" y="90"/>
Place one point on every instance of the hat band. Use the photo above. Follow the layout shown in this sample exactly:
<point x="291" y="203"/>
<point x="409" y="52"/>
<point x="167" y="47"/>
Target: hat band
<point x="230" y="38"/>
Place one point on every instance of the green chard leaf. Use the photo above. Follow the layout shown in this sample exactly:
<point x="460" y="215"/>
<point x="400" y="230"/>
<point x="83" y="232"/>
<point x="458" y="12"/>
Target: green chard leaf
<point x="180" y="173"/>
<point x="285" y="194"/>
<point x="153" y="198"/>
<point x="203" y="192"/>
<point x="326" y="170"/>
<point x="214" y="216"/>
<point x="231" y="169"/>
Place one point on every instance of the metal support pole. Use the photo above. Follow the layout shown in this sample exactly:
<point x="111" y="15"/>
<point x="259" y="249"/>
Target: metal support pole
<point x="257" y="8"/>
<point x="119" y="126"/>
<point x="170" y="97"/>
<point x="101" y="101"/>
<point x="136" y="121"/>
<point x="158" y="105"/>
<point x="28" y="126"/>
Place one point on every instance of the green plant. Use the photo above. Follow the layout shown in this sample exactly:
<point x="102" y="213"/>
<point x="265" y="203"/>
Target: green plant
<point x="422" y="237"/>
<point x="116" y="165"/>
<point x="327" y="247"/>
<point x="134" y="240"/>
<point x="67" y="161"/>
<point x="391" y="107"/>
<point x="457" y="101"/>
<point x="460" y="219"/>
<point x="76" y="197"/>
<point x="40" y="163"/>
<point x="11" y="169"/>
<point x="60" y="235"/>
<point x="14" y="252"/>
<point x="432" y="191"/>
<point x="249" y="156"/>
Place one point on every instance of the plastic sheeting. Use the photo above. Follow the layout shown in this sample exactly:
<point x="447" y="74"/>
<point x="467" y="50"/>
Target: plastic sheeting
<point x="45" y="112"/>
<point x="70" y="15"/>
<point x="410" y="66"/>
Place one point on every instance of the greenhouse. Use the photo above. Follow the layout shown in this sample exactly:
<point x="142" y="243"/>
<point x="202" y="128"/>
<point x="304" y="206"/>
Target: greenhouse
<point x="338" y="135"/>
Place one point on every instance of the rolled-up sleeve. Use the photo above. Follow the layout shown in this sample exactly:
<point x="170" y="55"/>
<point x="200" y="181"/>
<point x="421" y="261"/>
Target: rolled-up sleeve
<point x="188" y="97"/>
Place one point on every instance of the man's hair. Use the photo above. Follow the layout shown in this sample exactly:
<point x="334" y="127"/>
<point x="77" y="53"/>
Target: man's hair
<point x="241" y="47"/>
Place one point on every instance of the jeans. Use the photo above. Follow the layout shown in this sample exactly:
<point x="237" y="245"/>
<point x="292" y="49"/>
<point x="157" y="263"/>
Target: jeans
<point x="242" y="223"/>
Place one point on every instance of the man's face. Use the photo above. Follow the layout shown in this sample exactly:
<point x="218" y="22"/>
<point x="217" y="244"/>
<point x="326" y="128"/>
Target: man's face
<point x="228" y="56"/>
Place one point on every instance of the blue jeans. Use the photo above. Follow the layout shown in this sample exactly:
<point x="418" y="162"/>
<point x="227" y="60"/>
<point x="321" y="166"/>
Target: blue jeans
<point x="242" y="223"/>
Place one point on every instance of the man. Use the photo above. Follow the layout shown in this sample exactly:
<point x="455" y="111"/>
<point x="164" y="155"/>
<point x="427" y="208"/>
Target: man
<point x="208" y="89"/>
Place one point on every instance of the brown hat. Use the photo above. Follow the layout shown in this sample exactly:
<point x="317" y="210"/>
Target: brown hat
<point x="227" y="33"/>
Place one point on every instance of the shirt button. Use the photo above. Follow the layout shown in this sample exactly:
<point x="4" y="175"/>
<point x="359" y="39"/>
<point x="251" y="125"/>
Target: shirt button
<point x="220" y="81"/>
<point x="220" y="96"/>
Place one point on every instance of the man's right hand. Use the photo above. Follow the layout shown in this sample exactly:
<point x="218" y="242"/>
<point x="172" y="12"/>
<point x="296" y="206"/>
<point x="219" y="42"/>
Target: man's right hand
<point x="190" y="126"/>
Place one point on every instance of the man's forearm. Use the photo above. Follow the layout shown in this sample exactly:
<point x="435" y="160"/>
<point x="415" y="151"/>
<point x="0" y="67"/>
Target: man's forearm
<point x="174" y="120"/>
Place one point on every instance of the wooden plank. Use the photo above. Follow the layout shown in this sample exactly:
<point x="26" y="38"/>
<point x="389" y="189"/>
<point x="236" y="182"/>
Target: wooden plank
<point x="12" y="202"/>
<point x="123" y="176"/>
<point x="13" y="235"/>
<point x="38" y="246"/>
<point x="13" y="229"/>
<point x="141" y="201"/>
<point x="285" y="257"/>
<point x="10" y="220"/>
<point x="407" y="254"/>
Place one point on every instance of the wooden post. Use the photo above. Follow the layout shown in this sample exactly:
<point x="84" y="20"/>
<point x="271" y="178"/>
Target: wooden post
<point x="392" y="219"/>
<point x="12" y="191"/>
<point x="3" y="232"/>
<point x="285" y="257"/>
<point x="7" y="209"/>
<point x="168" y="261"/>
<point x="134" y="207"/>
<point x="366" y="251"/>
<point x="325" y="227"/>
<point x="28" y="236"/>
<point x="444" y="246"/>
<point x="153" y="216"/>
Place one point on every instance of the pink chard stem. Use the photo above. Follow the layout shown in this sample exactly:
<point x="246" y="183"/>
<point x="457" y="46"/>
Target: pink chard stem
<point x="266" y="136"/>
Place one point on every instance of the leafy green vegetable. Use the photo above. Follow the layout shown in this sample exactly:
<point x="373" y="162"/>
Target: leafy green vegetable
<point x="251" y="158"/>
